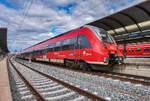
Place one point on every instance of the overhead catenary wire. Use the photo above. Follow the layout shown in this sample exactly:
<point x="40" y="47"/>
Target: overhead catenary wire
<point x="25" y="14"/>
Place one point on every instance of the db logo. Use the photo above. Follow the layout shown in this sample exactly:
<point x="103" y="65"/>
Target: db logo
<point x="84" y="52"/>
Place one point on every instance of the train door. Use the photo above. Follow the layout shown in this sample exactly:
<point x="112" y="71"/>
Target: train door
<point x="74" y="45"/>
<point x="77" y="48"/>
<point x="84" y="48"/>
<point x="44" y="55"/>
<point x="58" y="52"/>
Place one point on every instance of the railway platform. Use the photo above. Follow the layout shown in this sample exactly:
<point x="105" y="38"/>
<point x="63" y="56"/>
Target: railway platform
<point x="5" y="93"/>
<point x="134" y="66"/>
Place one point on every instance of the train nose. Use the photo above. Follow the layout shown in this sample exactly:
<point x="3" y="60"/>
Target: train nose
<point x="112" y="49"/>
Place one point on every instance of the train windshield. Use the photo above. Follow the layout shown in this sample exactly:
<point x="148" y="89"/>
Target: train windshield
<point x="102" y="35"/>
<point x="105" y="36"/>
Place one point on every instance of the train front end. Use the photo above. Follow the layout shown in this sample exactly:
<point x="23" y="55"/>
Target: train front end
<point x="105" y="49"/>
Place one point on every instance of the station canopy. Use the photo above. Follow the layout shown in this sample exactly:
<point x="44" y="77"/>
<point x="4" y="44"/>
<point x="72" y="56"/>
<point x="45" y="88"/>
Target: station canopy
<point x="131" y="25"/>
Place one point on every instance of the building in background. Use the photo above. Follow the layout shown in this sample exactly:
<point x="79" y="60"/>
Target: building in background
<point x="3" y="42"/>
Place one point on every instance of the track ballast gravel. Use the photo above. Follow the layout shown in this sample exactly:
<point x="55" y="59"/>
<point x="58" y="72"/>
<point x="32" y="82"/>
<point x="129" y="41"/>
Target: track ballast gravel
<point x="95" y="84"/>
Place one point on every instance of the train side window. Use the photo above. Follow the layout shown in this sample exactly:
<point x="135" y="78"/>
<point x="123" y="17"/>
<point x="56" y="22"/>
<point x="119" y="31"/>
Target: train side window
<point x="44" y="51"/>
<point x="41" y="52"/>
<point x="83" y="42"/>
<point x="33" y="54"/>
<point x="72" y="43"/>
<point x="58" y="46"/>
<point x="65" y="47"/>
<point x="38" y="52"/>
<point x="50" y="49"/>
<point x="69" y="44"/>
<point x="53" y="45"/>
<point x="49" y="46"/>
<point x="138" y="49"/>
<point x="131" y="50"/>
<point x="65" y="44"/>
<point x="146" y="49"/>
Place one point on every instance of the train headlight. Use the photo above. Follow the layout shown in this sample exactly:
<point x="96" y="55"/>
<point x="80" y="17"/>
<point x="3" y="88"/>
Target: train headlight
<point x="106" y="60"/>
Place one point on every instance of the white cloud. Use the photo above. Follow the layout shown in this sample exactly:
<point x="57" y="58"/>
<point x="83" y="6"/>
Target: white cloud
<point x="47" y="35"/>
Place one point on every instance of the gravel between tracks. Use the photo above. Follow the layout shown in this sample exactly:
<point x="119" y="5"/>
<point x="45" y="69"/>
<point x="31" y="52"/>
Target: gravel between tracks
<point x="96" y="84"/>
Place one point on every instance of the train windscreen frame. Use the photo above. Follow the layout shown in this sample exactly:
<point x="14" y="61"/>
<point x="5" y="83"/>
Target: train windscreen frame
<point x="102" y="34"/>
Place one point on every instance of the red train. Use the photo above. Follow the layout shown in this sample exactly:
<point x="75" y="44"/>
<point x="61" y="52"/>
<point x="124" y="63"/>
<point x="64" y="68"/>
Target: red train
<point x="136" y="51"/>
<point x="85" y="48"/>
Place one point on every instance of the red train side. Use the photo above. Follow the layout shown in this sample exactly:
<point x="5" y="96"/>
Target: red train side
<point x="85" y="48"/>
<point x="136" y="50"/>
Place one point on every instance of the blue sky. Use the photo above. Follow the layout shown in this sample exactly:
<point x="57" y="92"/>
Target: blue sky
<point x="6" y="3"/>
<point x="32" y="21"/>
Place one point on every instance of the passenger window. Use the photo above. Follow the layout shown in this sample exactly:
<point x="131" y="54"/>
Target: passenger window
<point x="50" y="49"/>
<point x="146" y="49"/>
<point x="66" y="42"/>
<point x="131" y="50"/>
<point x="72" y="43"/>
<point x="69" y="44"/>
<point x="57" y="48"/>
<point x="53" y="45"/>
<point x="83" y="42"/>
<point x="44" y="51"/>
<point x="65" y="47"/>
<point x="58" y="44"/>
<point x="138" y="49"/>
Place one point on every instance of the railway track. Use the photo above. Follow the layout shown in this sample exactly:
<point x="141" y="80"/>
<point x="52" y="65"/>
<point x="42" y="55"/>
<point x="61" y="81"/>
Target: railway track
<point x="108" y="88"/>
<point x="42" y="87"/>
<point x="142" y="80"/>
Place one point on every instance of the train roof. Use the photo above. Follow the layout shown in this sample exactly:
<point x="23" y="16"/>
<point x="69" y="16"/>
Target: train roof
<point x="55" y="37"/>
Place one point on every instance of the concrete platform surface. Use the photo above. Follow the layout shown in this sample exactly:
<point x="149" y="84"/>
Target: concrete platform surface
<point x="134" y="66"/>
<point x="5" y="93"/>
